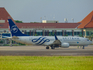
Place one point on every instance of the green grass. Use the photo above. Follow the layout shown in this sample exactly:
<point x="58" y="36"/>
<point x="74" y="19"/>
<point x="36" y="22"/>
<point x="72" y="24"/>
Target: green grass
<point x="46" y="62"/>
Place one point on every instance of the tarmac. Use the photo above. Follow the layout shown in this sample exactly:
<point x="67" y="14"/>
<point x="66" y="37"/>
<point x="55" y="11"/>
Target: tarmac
<point x="42" y="51"/>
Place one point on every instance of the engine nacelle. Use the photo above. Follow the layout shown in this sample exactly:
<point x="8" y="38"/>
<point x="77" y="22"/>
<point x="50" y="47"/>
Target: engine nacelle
<point x="65" y="45"/>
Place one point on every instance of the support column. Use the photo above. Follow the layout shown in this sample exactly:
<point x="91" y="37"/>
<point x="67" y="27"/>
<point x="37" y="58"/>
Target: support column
<point x="43" y="32"/>
<point x="84" y="32"/>
<point x="62" y="32"/>
<point x="65" y="32"/>
<point x="34" y="32"/>
<point x="47" y="32"/>
<point x="55" y="32"/>
<point x="72" y="32"/>
<point x="52" y="32"/>
<point x="25" y="31"/>
<point x="30" y="32"/>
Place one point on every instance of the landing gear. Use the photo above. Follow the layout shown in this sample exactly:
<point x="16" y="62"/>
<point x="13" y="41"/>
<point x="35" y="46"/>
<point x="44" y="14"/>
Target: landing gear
<point x="47" y="47"/>
<point x="52" y="47"/>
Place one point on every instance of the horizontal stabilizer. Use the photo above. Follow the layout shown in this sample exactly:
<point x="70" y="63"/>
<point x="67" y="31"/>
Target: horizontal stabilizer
<point x="6" y="37"/>
<point x="15" y="37"/>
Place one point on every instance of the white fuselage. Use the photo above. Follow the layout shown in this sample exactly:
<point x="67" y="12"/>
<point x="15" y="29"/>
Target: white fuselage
<point x="47" y="40"/>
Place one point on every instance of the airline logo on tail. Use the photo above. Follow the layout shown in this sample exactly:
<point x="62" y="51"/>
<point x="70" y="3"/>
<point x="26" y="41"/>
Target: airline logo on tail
<point x="14" y="29"/>
<point x="40" y="40"/>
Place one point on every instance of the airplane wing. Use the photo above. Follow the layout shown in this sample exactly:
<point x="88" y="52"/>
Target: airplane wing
<point x="15" y="37"/>
<point x="56" y="43"/>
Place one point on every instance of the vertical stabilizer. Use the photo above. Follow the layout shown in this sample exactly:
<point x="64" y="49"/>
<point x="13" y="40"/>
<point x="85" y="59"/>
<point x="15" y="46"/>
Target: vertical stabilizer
<point x="14" y="29"/>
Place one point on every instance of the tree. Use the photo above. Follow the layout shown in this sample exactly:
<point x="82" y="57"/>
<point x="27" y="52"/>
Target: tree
<point x="80" y="35"/>
<point x="36" y="34"/>
<point x="17" y="21"/>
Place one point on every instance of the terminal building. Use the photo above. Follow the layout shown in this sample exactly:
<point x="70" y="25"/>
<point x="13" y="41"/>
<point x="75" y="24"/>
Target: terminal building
<point x="83" y="28"/>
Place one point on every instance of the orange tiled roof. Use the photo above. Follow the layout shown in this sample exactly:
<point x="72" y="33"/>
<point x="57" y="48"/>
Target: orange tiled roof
<point x="86" y="21"/>
<point x="42" y="25"/>
<point x="90" y="24"/>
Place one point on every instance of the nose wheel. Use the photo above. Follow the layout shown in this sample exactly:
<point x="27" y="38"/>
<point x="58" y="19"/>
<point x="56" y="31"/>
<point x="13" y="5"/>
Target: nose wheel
<point x="47" y="47"/>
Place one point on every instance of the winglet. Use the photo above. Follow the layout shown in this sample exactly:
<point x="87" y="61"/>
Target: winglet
<point x="56" y="37"/>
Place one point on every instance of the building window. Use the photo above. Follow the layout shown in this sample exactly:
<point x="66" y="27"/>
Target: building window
<point x="39" y="33"/>
<point x="28" y="33"/>
<point x="69" y="33"/>
<point x="59" y="33"/>
<point x="87" y="33"/>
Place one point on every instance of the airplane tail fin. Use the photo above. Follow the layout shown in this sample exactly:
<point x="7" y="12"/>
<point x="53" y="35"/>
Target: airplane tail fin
<point x="14" y="29"/>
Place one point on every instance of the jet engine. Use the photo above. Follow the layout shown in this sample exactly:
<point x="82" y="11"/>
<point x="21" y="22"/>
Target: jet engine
<point x="65" y="45"/>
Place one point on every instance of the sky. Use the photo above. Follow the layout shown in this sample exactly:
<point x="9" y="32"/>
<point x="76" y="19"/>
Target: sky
<point x="37" y="10"/>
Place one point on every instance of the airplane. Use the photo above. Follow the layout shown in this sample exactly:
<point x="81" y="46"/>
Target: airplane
<point x="48" y="41"/>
